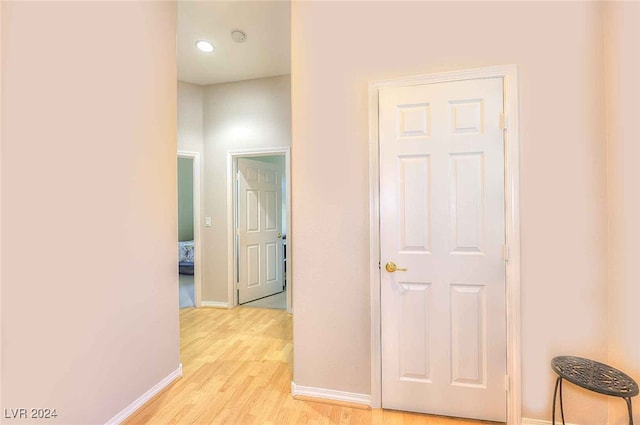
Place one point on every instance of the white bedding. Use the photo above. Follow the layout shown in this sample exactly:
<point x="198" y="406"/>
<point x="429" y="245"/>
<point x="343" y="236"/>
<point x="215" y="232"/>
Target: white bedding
<point x="185" y="251"/>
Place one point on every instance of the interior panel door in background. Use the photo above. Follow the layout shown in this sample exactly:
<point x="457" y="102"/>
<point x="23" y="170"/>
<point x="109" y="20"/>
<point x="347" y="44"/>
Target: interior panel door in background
<point x="442" y="218"/>
<point x="259" y="215"/>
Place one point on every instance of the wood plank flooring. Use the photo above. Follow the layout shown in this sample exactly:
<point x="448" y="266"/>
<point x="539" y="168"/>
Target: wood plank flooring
<point x="237" y="367"/>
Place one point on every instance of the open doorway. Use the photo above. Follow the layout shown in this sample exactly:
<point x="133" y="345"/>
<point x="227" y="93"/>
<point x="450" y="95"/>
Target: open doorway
<point x="233" y="96"/>
<point x="234" y="101"/>
<point x="189" y="282"/>
<point x="260" y="211"/>
<point x="185" y="233"/>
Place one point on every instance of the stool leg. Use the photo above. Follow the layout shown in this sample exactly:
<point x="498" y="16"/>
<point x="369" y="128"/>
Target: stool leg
<point x="555" y="395"/>
<point x="628" y="400"/>
<point x="561" y="406"/>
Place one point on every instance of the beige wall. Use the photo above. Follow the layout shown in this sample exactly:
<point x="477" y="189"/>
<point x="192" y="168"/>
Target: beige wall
<point x="89" y="295"/>
<point x="240" y="115"/>
<point x="190" y="98"/>
<point x="337" y="49"/>
<point x="622" y="40"/>
<point x="1" y="201"/>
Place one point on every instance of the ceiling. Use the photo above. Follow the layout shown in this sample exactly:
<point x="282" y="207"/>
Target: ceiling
<point x="264" y="53"/>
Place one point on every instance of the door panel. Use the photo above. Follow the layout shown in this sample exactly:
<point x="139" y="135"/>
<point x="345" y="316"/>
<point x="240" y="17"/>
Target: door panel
<point x="442" y="218"/>
<point x="467" y="203"/>
<point x="415" y="214"/>
<point x="252" y="211"/>
<point x="271" y="210"/>
<point x="272" y="262"/>
<point x="415" y="333"/>
<point x="260" y="271"/>
<point x="468" y="339"/>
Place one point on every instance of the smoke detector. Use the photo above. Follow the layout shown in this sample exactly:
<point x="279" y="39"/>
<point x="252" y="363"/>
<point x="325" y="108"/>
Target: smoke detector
<point x="238" y="36"/>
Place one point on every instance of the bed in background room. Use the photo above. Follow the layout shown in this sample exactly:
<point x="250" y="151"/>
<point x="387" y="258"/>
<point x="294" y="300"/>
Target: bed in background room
<point x="185" y="257"/>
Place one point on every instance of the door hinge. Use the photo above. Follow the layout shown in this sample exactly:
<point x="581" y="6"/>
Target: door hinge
<point x="506" y="382"/>
<point x="505" y="252"/>
<point x="504" y="122"/>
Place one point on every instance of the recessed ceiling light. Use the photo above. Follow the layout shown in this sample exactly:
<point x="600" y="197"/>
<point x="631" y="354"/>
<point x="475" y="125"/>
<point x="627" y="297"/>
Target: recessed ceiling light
<point x="205" y="46"/>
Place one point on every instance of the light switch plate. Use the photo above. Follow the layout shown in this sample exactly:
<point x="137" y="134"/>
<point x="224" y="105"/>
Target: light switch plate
<point x="207" y="221"/>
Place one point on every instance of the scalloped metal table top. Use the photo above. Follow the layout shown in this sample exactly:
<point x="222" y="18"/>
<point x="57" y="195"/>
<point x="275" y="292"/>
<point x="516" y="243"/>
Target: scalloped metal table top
<point x="595" y="376"/>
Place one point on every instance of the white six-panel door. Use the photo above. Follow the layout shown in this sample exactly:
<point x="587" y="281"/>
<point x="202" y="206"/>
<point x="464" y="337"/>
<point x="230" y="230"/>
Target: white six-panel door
<point x="260" y="251"/>
<point x="442" y="218"/>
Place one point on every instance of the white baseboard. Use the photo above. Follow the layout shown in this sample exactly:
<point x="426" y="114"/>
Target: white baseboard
<point x="330" y="394"/>
<point x="216" y="304"/>
<point x="529" y="421"/>
<point x="130" y="409"/>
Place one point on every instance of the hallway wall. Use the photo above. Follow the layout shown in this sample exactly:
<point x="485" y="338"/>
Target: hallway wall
<point x="89" y="225"/>
<point x="622" y="37"/>
<point x="213" y="120"/>
<point x="239" y="115"/>
<point x="190" y="127"/>
<point x="558" y="48"/>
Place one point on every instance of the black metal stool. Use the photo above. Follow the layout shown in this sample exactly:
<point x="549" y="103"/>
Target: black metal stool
<point x="594" y="376"/>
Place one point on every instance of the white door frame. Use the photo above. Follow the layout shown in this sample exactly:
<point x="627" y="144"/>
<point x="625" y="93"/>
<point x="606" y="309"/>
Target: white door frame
<point x="197" y="225"/>
<point x="509" y="74"/>
<point x="232" y="157"/>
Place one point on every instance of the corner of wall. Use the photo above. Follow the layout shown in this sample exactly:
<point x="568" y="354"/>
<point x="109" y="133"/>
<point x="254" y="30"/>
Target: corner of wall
<point x="1" y="283"/>
<point x="621" y="22"/>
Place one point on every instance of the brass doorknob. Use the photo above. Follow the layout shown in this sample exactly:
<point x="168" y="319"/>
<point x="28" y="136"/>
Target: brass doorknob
<point x="392" y="267"/>
<point x="279" y="235"/>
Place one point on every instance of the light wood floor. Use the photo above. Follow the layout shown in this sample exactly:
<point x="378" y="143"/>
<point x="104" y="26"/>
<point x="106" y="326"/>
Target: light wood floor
<point x="237" y="370"/>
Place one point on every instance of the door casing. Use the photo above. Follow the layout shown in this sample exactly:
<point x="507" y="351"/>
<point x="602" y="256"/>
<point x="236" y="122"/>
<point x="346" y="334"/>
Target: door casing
<point x="232" y="257"/>
<point x="509" y="74"/>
